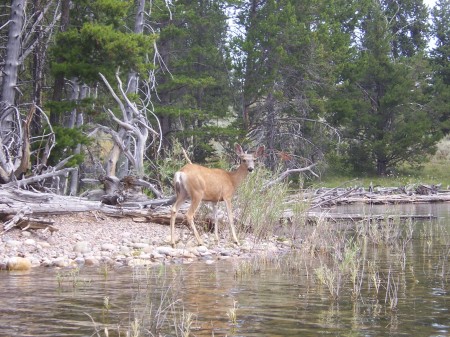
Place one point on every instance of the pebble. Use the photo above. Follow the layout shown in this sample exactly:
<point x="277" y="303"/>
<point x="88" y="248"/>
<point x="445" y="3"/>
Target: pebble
<point x="82" y="247"/>
<point x="98" y="242"/>
<point x="108" y="247"/>
<point x="30" y="242"/>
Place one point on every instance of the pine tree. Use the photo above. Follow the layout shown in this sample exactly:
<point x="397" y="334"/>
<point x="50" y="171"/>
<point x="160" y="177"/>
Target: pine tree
<point x="288" y="60"/>
<point x="194" y="94"/>
<point x="381" y="103"/>
<point x="440" y="57"/>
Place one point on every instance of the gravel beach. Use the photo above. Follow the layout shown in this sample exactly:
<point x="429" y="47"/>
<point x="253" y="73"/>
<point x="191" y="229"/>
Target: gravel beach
<point x="86" y="239"/>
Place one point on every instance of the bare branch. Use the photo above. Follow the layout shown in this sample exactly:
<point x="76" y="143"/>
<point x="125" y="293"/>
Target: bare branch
<point x="25" y="182"/>
<point x="286" y="173"/>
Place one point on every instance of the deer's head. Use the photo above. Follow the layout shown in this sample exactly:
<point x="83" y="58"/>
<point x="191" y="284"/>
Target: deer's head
<point x="248" y="159"/>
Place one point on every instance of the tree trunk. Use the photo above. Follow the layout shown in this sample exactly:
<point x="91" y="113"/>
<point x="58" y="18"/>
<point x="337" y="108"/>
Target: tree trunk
<point x="115" y="157"/>
<point x="38" y="71"/>
<point x="10" y="123"/>
<point x="10" y="72"/>
<point x="381" y="167"/>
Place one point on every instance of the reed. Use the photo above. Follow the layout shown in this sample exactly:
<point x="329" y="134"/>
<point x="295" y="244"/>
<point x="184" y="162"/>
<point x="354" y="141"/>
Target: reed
<point x="232" y="312"/>
<point x="374" y="276"/>
<point x="72" y="278"/>
<point x="392" y="286"/>
<point x="260" y="211"/>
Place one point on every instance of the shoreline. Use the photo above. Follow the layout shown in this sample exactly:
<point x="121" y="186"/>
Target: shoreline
<point x="86" y="239"/>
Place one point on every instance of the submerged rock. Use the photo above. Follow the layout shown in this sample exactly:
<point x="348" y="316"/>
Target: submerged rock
<point x="18" y="263"/>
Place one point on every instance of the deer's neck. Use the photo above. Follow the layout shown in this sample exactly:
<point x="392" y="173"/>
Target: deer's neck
<point x="238" y="175"/>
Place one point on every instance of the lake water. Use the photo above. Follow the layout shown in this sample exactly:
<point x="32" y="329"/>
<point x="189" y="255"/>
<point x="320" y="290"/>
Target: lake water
<point x="366" y="285"/>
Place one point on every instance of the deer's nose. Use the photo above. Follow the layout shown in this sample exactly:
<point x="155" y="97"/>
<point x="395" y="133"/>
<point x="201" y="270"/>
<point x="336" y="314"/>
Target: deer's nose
<point x="250" y="169"/>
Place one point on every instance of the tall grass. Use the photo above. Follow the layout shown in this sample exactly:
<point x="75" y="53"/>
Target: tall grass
<point x="335" y="258"/>
<point x="260" y="210"/>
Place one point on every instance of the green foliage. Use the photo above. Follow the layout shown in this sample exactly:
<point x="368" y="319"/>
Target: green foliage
<point x="164" y="168"/>
<point x="440" y="58"/>
<point x="198" y="92"/>
<point x="288" y="71"/>
<point x="287" y="61"/>
<point x="67" y="141"/>
<point x="107" y="12"/>
<point x="433" y="170"/>
<point x="94" y="48"/>
<point x="381" y="104"/>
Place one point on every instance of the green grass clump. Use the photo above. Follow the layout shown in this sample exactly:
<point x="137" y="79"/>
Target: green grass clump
<point x="260" y="210"/>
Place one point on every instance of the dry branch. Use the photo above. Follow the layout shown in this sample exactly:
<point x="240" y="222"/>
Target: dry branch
<point x="34" y="179"/>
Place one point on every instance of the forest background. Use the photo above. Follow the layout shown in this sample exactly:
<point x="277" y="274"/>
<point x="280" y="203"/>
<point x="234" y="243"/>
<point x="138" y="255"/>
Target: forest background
<point x="116" y="87"/>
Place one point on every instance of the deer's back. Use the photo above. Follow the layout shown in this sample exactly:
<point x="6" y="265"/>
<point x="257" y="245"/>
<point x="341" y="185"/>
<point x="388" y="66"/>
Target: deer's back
<point x="211" y="183"/>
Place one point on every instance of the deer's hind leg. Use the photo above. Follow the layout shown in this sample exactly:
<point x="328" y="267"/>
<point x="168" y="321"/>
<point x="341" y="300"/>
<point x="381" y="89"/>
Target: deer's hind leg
<point x="195" y="203"/>
<point x="182" y="195"/>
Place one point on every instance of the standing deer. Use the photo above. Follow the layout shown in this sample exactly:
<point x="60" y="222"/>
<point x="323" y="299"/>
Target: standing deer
<point x="208" y="184"/>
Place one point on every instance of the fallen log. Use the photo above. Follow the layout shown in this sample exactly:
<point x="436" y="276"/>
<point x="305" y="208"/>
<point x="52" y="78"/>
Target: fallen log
<point x="338" y="217"/>
<point x="24" y="208"/>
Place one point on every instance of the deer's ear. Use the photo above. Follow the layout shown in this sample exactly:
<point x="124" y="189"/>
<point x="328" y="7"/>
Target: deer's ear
<point x="238" y="149"/>
<point x="260" y="151"/>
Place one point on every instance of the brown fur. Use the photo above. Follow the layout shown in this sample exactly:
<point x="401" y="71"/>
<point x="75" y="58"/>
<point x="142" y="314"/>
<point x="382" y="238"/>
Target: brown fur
<point x="200" y="183"/>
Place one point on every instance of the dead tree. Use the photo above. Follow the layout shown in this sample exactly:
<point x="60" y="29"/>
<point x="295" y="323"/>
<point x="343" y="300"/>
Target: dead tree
<point x="135" y="124"/>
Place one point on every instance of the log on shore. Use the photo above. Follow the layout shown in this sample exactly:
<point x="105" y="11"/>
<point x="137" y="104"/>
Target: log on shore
<point x="24" y="208"/>
<point x="314" y="217"/>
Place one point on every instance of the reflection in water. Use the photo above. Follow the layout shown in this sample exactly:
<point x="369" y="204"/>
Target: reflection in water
<point x="358" y="288"/>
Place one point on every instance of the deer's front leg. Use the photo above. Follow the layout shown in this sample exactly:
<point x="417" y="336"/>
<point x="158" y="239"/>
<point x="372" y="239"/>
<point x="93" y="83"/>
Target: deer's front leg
<point x="216" y="222"/>
<point x="230" y="217"/>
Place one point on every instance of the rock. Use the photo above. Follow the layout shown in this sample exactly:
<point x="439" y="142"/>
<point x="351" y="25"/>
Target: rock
<point x="79" y="261"/>
<point x="30" y="242"/>
<point x="44" y="244"/>
<point x="124" y="250"/>
<point x="202" y="249"/>
<point x="139" y="245"/>
<point x="13" y="243"/>
<point x="91" y="261"/>
<point x="35" y="261"/>
<point x="108" y="247"/>
<point x="164" y="250"/>
<point x="18" y="263"/>
<point x="61" y="262"/>
<point x="157" y="256"/>
<point x="185" y="253"/>
<point x="82" y="247"/>
<point x="46" y="262"/>
<point x="148" y="249"/>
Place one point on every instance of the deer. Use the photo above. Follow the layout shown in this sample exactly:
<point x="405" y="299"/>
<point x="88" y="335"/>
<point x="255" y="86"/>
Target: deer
<point x="201" y="183"/>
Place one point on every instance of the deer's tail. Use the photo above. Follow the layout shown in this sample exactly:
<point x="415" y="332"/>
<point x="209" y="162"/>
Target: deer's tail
<point x="179" y="183"/>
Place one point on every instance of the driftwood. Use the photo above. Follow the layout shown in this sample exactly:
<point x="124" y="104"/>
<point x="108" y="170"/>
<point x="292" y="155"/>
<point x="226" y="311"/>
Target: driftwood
<point x="17" y="205"/>
<point x="117" y="191"/>
<point x="27" y="209"/>
<point x="20" y="219"/>
<point x="314" y="217"/>
<point x="329" y="197"/>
